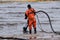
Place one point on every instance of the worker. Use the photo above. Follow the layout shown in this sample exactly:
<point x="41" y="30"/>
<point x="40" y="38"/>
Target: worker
<point x="30" y="14"/>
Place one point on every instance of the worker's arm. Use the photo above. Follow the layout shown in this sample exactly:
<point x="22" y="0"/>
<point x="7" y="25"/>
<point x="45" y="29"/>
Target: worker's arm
<point x="26" y="14"/>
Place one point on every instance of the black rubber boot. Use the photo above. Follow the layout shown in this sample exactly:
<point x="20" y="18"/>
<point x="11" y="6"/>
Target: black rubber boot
<point x="30" y="31"/>
<point x="24" y="29"/>
<point x="35" y="31"/>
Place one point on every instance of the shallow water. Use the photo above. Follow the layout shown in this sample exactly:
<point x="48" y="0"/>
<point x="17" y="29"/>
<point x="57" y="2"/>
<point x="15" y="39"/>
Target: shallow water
<point x="12" y="16"/>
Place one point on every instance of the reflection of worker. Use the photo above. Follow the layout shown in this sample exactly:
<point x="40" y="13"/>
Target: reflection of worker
<point x="30" y="14"/>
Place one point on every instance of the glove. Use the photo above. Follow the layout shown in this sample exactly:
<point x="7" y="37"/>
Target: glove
<point x="25" y="16"/>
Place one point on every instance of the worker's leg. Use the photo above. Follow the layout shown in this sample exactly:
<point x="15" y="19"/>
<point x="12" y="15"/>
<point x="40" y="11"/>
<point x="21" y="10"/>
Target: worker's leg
<point x="30" y="26"/>
<point x="34" y="25"/>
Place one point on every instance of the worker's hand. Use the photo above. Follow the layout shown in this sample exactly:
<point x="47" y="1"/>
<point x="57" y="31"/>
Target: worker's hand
<point x="25" y="17"/>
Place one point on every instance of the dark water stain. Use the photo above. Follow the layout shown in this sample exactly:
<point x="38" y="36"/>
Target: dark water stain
<point x="55" y="8"/>
<point x="11" y="24"/>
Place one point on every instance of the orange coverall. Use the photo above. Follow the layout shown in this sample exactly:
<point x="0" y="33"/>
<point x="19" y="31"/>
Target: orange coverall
<point x="31" y="18"/>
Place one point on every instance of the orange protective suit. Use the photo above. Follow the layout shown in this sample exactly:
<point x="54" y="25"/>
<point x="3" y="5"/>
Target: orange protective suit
<point x="31" y="18"/>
